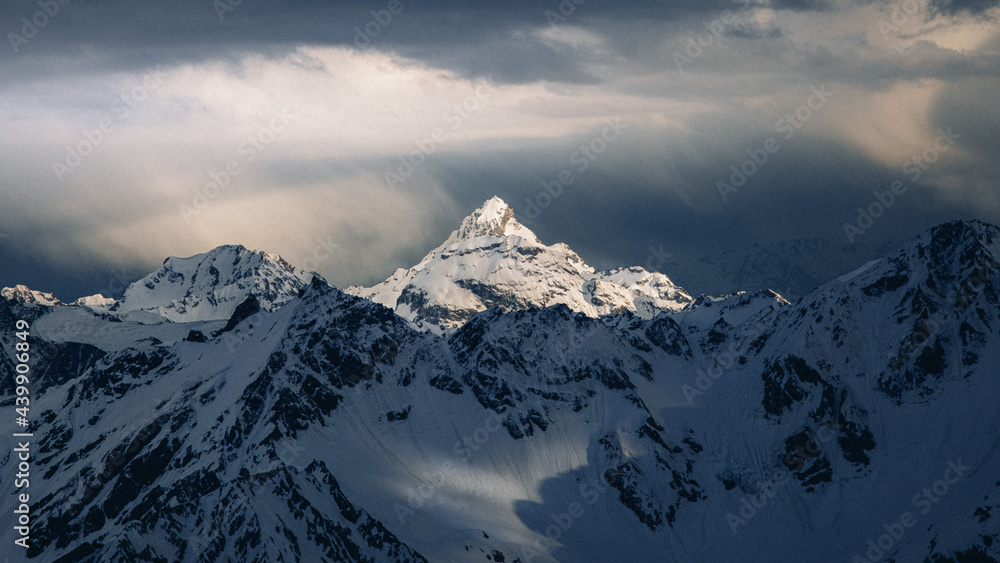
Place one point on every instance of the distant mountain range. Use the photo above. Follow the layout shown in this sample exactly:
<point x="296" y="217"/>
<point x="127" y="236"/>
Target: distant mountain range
<point x="502" y="401"/>
<point x="792" y="268"/>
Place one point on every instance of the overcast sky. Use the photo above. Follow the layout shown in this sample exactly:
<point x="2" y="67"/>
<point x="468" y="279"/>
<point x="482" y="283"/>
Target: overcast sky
<point x="351" y="137"/>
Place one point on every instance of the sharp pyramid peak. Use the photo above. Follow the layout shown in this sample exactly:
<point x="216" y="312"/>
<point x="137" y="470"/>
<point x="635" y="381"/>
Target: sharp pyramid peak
<point x="494" y="218"/>
<point x="492" y="209"/>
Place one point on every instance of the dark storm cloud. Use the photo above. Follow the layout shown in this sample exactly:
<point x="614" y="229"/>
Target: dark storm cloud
<point x="782" y="60"/>
<point x="104" y="276"/>
<point x="654" y="188"/>
<point x="922" y="61"/>
<point x="487" y="39"/>
<point x="803" y="5"/>
<point x="480" y="39"/>
<point x="754" y="32"/>
<point x="953" y="7"/>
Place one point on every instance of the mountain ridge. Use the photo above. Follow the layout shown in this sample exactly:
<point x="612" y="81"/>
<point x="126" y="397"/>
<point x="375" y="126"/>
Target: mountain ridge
<point x="209" y="286"/>
<point x="332" y="429"/>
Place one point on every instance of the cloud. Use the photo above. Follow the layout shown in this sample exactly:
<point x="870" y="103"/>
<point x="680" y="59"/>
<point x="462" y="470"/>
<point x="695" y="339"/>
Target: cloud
<point x="493" y="39"/>
<point x="394" y="140"/>
<point x="953" y="7"/>
<point x="803" y="5"/>
<point x="349" y="231"/>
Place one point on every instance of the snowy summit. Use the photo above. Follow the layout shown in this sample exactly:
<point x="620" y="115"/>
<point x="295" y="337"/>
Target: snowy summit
<point x="492" y="260"/>
<point x="23" y="294"/>
<point x="210" y="286"/>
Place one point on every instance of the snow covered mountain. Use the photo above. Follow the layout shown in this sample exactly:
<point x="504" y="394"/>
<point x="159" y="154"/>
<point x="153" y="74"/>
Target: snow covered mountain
<point x="96" y="302"/>
<point x="492" y="260"/>
<point x="210" y="286"/>
<point x="24" y="294"/>
<point x="856" y="424"/>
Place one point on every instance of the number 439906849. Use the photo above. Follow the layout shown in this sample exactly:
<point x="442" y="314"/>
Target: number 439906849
<point x="21" y="380"/>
